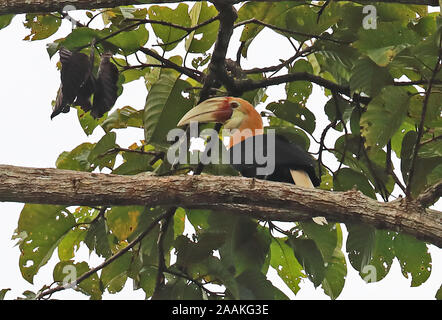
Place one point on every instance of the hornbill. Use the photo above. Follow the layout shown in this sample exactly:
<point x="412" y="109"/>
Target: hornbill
<point x="292" y="164"/>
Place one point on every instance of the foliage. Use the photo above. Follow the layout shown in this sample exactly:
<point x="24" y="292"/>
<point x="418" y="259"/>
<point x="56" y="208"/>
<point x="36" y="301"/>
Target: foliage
<point x="382" y="108"/>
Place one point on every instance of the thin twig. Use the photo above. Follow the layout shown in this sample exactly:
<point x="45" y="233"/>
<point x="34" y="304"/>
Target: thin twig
<point x="273" y="27"/>
<point x="161" y="260"/>
<point x="420" y="130"/>
<point x="191" y="73"/>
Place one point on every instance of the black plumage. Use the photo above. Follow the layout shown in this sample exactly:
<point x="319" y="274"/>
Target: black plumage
<point x="79" y="85"/>
<point x="75" y="70"/>
<point x="287" y="156"/>
<point x="105" y="88"/>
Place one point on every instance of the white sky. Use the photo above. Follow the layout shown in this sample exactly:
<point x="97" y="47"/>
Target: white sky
<point x="29" y="82"/>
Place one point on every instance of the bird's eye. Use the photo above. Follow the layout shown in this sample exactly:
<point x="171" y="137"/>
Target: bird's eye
<point x="234" y="104"/>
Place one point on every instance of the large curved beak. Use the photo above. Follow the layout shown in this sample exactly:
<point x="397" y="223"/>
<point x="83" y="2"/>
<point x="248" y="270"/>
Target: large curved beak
<point x="210" y="110"/>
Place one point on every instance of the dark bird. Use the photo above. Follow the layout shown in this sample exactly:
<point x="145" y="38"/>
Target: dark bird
<point x="79" y="85"/>
<point x="76" y="69"/>
<point x="292" y="164"/>
<point x="105" y="87"/>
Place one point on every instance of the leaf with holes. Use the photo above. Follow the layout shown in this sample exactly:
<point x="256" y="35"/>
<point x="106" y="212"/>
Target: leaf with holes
<point x="41" y="228"/>
<point x="42" y="26"/>
<point x="294" y="113"/>
<point x="66" y="272"/>
<point x="203" y="38"/>
<point x="284" y="262"/>
<point x="414" y="258"/>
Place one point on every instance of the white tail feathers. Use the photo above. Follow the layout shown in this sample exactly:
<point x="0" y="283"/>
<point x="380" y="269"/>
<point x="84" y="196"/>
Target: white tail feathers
<point x="302" y="179"/>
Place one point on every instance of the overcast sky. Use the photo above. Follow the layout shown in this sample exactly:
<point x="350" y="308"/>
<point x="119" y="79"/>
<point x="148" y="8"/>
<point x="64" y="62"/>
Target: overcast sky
<point x="28" y="83"/>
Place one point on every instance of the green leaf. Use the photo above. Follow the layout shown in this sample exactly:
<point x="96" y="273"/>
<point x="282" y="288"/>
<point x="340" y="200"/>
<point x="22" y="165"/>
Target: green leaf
<point x="130" y="41"/>
<point x="66" y="272"/>
<point x="77" y="159"/>
<point x="335" y="273"/>
<point x="253" y="285"/>
<point x="214" y="271"/>
<point x="189" y="252"/>
<point x="385" y="42"/>
<point x="246" y="245"/>
<point x="179" y="220"/>
<point x="299" y="91"/>
<point x="346" y="179"/>
<point x="369" y="78"/>
<point x="87" y="122"/>
<point x="123" y="220"/>
<point x="165" y="106"/>
<point x="294" y="113"/>
<point x="70" y="243"/>
<point x="438" y="295"/>
<point x="284" y="262"/>
<point x="99" y="154"/>
<point x="179" y="289"/>
<point x="41" y="228"/>
<point x="114" y="276"/>
<point x="168" y="34"/>
<point x="80" y="37"/>
<point x="5" y="20"/>
<point x="414" y="258"/>
<point x="42" y="26"/>
<point x="309" y="256"/>
<point x="200" y="13"/>
<point x="397" y="138"/>
<point x="384" y="115"/>
<point x="382" y="256"/>
<point x="134" y="163"/>
<point x="431" y="149"/>
<point x="433" y="111"/>
<point x="408" y="143"/>
<point x="288" y="130"/>
<point x="97" y="238"/>
<point x="199" y="218"/>
<point x="262" y="11"/>
<point x="123" y="118"/>
<point x="328" y="239"/>
<point x="304" y="19"/>
<point x="3" y="291"/>
<point x="360" y="245"/>
<point x="339" y="109"/>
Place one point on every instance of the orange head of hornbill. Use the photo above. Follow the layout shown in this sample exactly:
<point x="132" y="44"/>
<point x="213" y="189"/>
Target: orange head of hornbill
<point x="292" y="163"/>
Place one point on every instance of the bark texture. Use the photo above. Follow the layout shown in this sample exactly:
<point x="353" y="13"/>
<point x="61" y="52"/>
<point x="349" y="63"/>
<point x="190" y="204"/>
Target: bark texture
<point x="40" y="6"/>
<point x="256" y="198"/>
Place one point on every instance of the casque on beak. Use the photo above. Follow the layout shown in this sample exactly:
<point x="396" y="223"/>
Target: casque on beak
<point x="210" y="110"/>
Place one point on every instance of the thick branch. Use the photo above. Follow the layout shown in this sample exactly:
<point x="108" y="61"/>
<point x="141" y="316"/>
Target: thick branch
<point x="35" y="6"/>
<point x="431" y="195"/>
<point x="217" y="70"/>
<point x="256" y="198"/>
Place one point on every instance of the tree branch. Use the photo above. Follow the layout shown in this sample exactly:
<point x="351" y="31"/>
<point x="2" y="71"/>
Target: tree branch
<point x="217" y="72"/>
<point x="431" y="195"/>
<point x="191" y="73"/>
<point x="40" y="6"/>
<point x="257" y="198"/>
